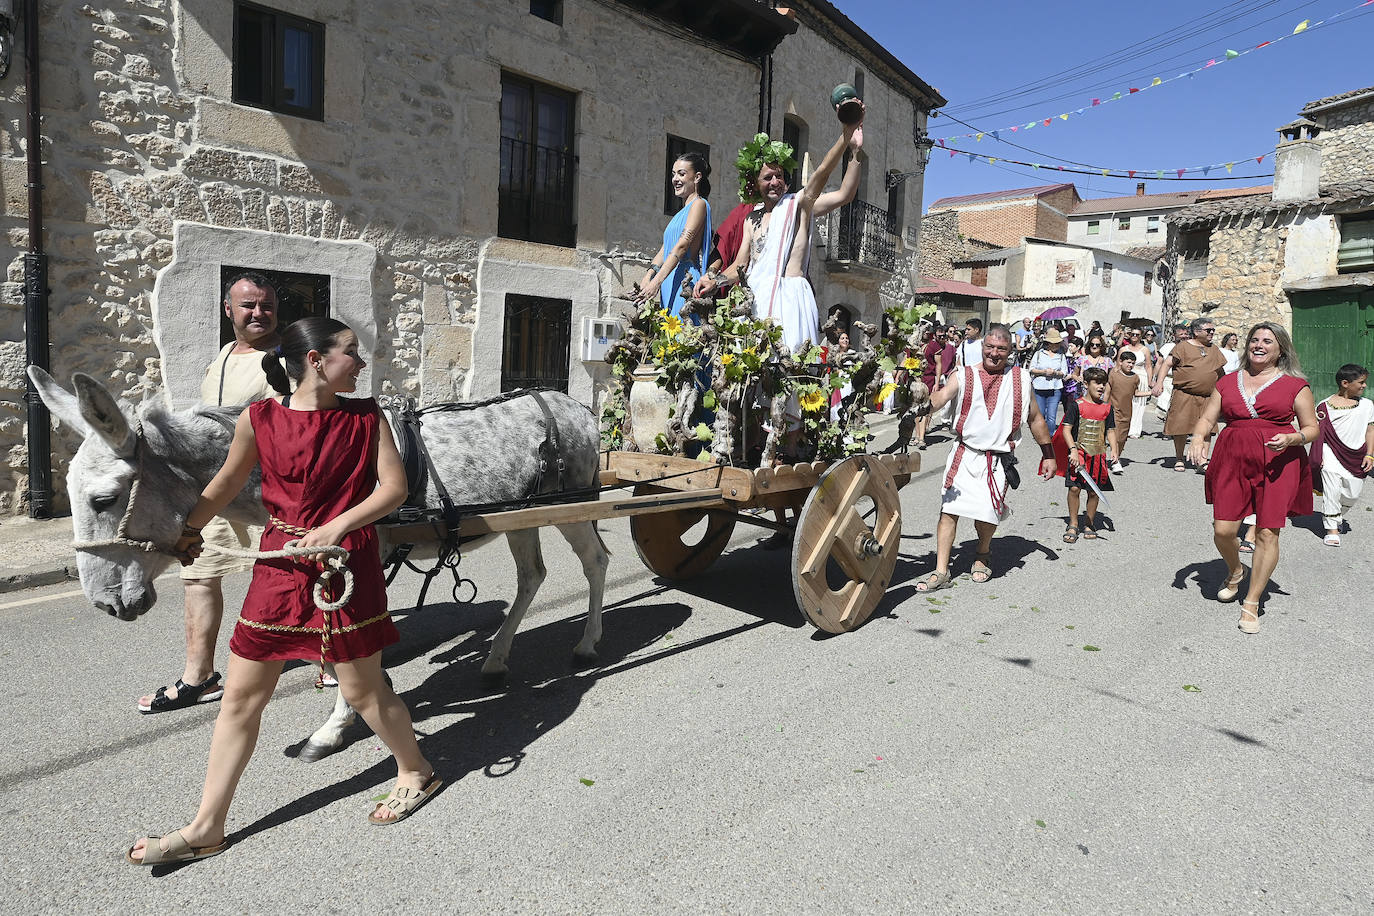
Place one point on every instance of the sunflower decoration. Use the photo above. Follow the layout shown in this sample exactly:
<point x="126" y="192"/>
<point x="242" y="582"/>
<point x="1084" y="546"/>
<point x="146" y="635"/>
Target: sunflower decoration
<point x="757" y="153"/>
<point x="911" y="363"/>
<point x="672" y="325"/>
<point x="811" y="398"/>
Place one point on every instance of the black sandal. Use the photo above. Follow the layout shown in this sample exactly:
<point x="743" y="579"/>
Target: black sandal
<point x="207" y="691"/>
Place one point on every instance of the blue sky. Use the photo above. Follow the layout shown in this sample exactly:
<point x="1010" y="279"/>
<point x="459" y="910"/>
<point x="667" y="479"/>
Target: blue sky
<point x="971" y="51"/>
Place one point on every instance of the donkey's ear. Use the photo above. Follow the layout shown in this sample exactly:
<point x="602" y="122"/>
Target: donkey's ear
<point x="101" y="412"/>
<point x="61" y="402"/>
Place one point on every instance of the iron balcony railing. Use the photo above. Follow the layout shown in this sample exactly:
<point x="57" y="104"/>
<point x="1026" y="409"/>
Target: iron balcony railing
<point x="536" y="193"/>
<point x="861" y="233"/>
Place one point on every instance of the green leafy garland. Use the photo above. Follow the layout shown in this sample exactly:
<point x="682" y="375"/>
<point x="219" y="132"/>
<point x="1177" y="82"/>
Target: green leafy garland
<point x="737" y="348"/>
<point x="757" y="153"/>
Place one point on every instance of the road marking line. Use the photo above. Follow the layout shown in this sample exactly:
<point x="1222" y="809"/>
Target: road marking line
<point x="24" y="601"/>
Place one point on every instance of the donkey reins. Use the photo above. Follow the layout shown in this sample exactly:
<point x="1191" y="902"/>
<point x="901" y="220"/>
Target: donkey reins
<point x="336" y="558"/>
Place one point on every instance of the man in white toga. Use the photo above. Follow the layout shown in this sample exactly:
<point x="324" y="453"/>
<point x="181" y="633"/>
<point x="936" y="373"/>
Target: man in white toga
<point x="776" y="245"/>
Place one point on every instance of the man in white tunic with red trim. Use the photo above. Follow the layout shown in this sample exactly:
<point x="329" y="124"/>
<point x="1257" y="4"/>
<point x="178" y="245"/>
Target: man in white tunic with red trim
<point x="776" y="248"/>
<point x="995" y="402"/>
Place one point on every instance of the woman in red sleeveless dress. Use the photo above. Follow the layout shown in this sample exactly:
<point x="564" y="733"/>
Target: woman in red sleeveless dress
<point x="329" y="470"/>
<point x="1259" y="464"/>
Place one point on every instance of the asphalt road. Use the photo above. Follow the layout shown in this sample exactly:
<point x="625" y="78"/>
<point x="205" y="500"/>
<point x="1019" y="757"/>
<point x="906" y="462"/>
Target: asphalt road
<point x="964" y="752"/>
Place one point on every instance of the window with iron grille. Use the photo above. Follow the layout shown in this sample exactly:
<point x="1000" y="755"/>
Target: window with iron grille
<point x="298" y="295"/>
<point x="552" y="10"/>
<point x="535" y="345"/>
<point x="677" y="147"/>
<point x="538" y="168"/>
<point x="278" y="61"/>
<point x="1356" y="251"/>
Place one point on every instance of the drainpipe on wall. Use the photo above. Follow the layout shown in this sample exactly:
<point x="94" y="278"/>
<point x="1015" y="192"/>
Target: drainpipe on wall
<point x="765" y="93"/>
<point x="36" y="280"/>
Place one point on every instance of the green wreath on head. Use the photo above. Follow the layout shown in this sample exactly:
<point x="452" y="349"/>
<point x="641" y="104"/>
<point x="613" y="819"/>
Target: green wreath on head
<point x="757" y="153"/>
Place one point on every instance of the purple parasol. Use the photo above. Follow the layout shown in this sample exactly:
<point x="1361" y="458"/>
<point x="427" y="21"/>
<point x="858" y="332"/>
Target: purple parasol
<point x="1056" y="313"/>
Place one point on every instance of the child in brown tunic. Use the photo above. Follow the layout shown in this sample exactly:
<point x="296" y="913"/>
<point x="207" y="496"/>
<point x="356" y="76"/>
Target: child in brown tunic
<point x="1121" y="383"/>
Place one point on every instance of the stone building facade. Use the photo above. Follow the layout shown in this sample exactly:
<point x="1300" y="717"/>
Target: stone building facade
<point x="1347" y="134"/>
<point x="158" y="178"/>
<point x="1302" y="256"/>
<point x="1238" y="259"/>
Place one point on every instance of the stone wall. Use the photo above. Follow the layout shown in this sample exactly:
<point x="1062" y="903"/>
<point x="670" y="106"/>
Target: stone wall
<point x="1244" y="279"/>
<point x="941" y="244"/>
<point x="141" y="137"/>
<point x="806" y="66"/>
<point x="140" y="134"/>
<point x="1346" y="141"/>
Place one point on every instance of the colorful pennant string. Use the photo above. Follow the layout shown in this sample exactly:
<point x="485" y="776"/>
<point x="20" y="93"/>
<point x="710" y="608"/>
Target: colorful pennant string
<point x="1304" y="26"/>
<point x="1159" y="175"/>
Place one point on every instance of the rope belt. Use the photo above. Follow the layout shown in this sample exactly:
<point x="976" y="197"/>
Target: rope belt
<point x="336" y="563"/>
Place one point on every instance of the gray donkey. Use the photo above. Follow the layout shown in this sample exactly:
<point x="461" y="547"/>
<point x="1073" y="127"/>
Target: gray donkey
<point x="139" y="470"/>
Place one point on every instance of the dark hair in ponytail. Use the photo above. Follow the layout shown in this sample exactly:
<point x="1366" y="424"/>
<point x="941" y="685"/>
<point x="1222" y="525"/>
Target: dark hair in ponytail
<point x="703" y="168"/>
<point x="299" y="338"/>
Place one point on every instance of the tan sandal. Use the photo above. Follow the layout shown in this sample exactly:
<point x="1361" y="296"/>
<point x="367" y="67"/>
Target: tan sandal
<point x="178" y="850"/>
<point x="935" y="582"/>
<point x="981" y="568"/>
<point x="1249" y="625"/>
<point x="1232" y="588"/>
<point x="404" y="801"/>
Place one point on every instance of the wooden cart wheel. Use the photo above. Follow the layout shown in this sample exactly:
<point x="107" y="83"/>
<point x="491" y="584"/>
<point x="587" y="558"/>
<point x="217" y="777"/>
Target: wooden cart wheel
<point x="846" y="544"/>
<point x="659" y="538"/>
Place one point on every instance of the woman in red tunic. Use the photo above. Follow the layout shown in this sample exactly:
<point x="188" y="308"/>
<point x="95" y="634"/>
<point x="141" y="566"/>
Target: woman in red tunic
<point x="1259" y="464"/>
<point x="329" y="470"/>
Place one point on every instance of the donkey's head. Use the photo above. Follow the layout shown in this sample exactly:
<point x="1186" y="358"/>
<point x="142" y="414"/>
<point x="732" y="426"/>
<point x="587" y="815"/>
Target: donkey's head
<point x="122" y="544"/>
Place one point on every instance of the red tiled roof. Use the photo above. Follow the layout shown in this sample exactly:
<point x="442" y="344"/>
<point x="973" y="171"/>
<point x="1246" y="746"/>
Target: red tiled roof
<point x="1015" y="194"/>
<point x="1221" y="193"/>
<point x="1134" y="202"/>
<point x="935" y="285"/>
<point x="1045" y="298"/>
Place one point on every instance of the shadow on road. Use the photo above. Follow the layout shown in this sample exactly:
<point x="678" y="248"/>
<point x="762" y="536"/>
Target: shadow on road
<point x="502" y="719"/>
<point x="1210" y="575"/>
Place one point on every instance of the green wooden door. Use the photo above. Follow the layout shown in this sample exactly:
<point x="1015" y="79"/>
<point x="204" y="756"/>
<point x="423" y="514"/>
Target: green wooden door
<point x="1331" y="328"/>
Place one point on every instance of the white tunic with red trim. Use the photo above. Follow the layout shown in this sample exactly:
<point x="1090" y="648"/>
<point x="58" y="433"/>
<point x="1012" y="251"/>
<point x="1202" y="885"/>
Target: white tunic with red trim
<point x="789" y="301"/>
<point x="992" y="411"/>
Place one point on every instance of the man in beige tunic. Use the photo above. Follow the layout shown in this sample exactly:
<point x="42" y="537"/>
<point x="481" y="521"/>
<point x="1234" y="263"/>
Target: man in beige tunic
<point x="1196" y="366"/>
<point x="234" y="377"/>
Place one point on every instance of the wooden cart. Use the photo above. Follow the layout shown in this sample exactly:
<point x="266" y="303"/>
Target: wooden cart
<point x="848" y="532"/>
